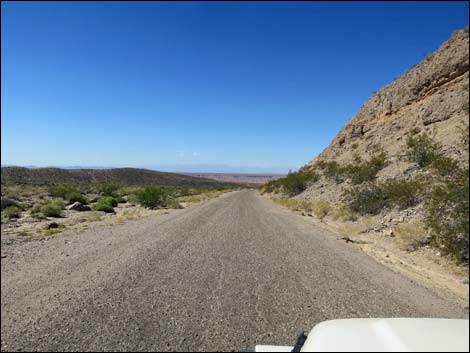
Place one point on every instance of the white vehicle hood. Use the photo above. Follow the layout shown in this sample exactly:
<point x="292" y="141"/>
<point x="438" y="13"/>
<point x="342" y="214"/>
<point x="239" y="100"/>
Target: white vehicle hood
<point x="389" y="335"/>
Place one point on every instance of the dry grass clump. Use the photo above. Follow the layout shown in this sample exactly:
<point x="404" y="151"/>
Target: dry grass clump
<point x="320" y="209"/>
<point x="411" y="236"/>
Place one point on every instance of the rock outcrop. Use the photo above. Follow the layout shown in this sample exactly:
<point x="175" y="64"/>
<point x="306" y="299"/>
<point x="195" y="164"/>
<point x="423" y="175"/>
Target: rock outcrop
<point x="432" y="96"/>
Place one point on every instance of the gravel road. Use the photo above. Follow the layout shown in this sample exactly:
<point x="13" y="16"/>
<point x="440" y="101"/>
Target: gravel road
<point x="223" y="275"/>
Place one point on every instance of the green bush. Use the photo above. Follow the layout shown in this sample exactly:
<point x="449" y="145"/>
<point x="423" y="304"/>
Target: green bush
<point x="364" y="171"/>
<point x="152" y="197"/>
<point x="52" y="209"/>
<point x="74" y="196"/>
<point x="294" y="183"/>
<point x="271" y="186"/>
<point x="366" y="199"/>
<point x="112" y="201"/>
<point x="422" y="150"/>
<point x="403" y="193"/>
<point x="69" y="193"/>
<point x="105" y="204"/>
<point x="333" y="170"/>
<point x="11" y="212"/>
<point x="447" y="215"/>
<point x="120" y="199"/>
<point x="6" y="203"/>
<point x="108" y="190"/>
<point x="321" y="209"/>
<point x="343" y="213"/>
<point x="62" y="191"/>
<point x="372" y="198"/>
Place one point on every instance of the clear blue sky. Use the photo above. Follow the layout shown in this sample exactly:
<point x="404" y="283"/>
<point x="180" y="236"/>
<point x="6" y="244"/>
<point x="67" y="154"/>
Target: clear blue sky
<point x="213" y="86"/>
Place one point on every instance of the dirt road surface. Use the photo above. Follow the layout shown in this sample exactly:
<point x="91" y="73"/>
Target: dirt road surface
<point x="224" y="275"/>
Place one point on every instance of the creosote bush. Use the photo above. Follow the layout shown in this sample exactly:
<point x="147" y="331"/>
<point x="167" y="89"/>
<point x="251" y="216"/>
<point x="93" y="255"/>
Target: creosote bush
<point x="11" y="212"/>
<point x="108" y="190"/>
<point x="151" y="197"/>
<point x="293" y="184"/>
<point x="75" y="196"/>
<point x="52" y="208"/>
<point x="366" y="199"/>
<point x="447" y="215"/>
<point x="105" y="204"/>
<point x="371" y="198"/>
<point x="156" y="196"/>
<point x="7" y="202"/>
<point x="333" y="170"/>
<point x="422" y="150"/>
<point x="69" y="193"/>
<point x="363" y="171"/>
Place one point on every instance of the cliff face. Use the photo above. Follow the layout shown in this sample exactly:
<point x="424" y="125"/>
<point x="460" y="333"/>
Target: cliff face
<point x="432" y="96"/>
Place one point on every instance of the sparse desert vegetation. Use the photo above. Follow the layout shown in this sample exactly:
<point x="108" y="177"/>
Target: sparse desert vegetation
<point x="439" y="188"/>
<point x="30" y="210"/>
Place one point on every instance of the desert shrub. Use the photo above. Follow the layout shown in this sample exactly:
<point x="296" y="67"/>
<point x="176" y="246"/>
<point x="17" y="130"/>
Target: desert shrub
<point x="105" y="204"/>
<point x="74" y="196"/>
<point x="132" y="199"/>
<point x="11" y="212"/>
<point x="112" y="201"/>
<point x="36" y="211"/>
<point x="108" y="190"/>
<point x="422" y="150"/>
<point x="69" y="193"/>
<point x="343" y="213"/>
<point x="292" y="204"/>
<point x="374" y="197"/>
<point x="172" y="203"/>
<point x="447" y="202"/>
<point x="411" y="236"/>
<point x="184" y="192"/>
<point x="465" y="133"/>
<point x="333" y="170"/>
<point x="120" y="199"/>
<point x="151" y="196"/>
<point x="403" y="193"/>
<point x="52" y="208"/>
<point x="7" y="202"/>
<point x="363" y="171"/>
<point x="447" y="212"/>
<point x="444" y="165"/>
<point x="366" y="199"/>
<point x="60" y="228"/>
<point x="271" y="186"/>
<point x="62" y="191"/>
<point x="321" y="209"/>
<point x="296" y="182"/>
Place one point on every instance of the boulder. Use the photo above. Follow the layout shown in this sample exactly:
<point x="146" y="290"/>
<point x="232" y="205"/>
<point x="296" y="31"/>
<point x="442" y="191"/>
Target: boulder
<point x="52" y="225"/>
<point x="78" y="206"/>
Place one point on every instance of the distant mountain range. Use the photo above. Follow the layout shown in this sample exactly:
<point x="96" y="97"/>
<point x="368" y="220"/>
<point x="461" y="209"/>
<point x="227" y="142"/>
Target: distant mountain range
<point x="181" y="168"/>
<point x="121" y="176"/>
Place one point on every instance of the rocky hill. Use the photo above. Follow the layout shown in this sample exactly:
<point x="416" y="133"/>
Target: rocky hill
<point x="432" y="97"/>
<point x="399" y="167"/>
<point x="120" y="176"/>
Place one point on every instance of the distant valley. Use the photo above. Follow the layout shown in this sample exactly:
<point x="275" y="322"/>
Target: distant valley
<point x="238" y="178"/>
